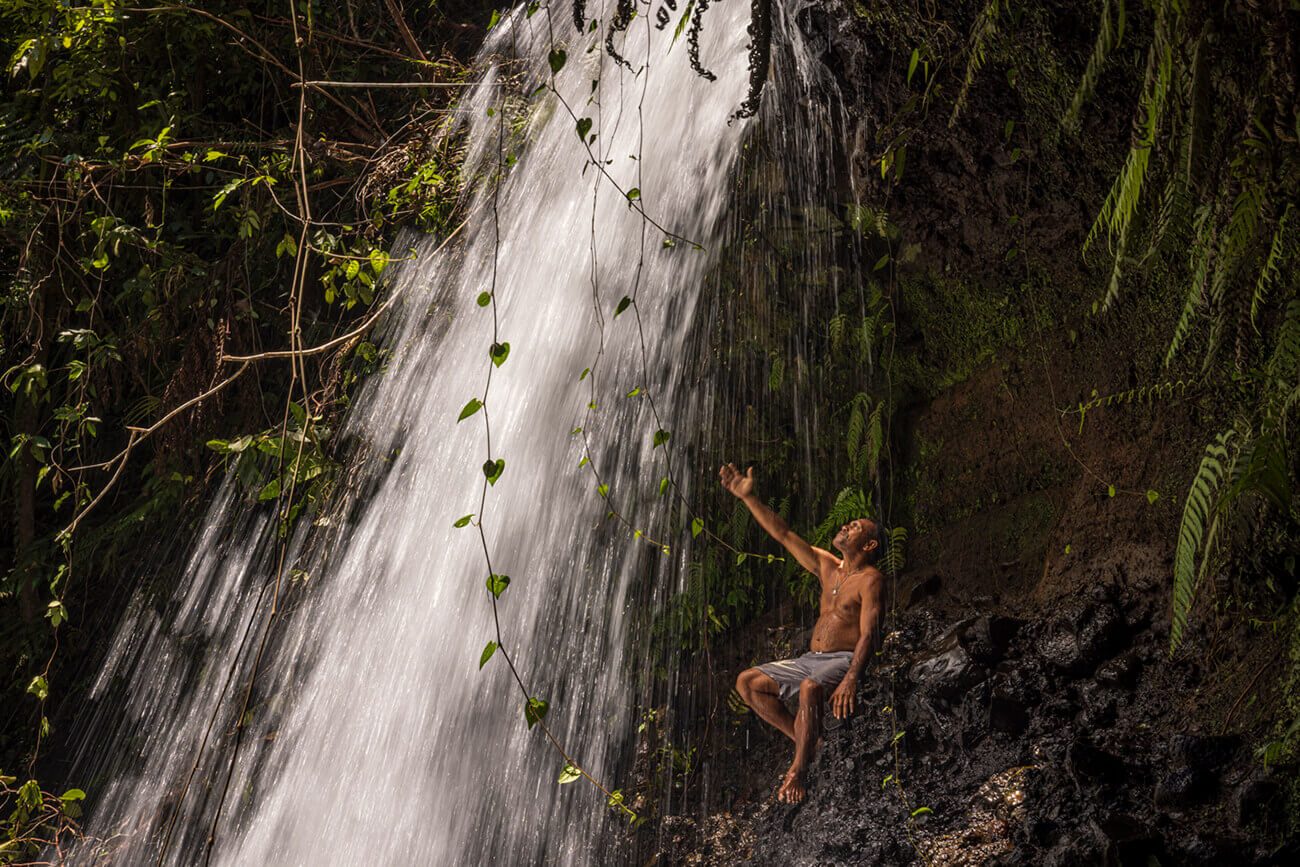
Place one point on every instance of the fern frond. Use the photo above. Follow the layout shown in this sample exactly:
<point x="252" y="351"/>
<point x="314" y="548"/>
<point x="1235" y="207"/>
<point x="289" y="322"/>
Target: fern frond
<point x="776" y="375"/>
<point x="1115" y="218"/>
<point x="869" y="458"/>
<point x="1108" y="39"/>
<point x="836" y="329"/>
<point x="895" y="552"/>
<point x="850" y="504"/>
<point x="985" y="26"/>
<point x="1200" y="263"/>
<point x="1197" y="514"/>
<point x="1284" y="365"/>
<point x="1279" y="251"/>
<point x="857" y="422"/>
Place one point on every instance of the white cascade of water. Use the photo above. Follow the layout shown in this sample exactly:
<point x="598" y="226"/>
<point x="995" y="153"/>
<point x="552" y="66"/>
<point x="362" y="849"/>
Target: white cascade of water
<point x="373" y="737"/>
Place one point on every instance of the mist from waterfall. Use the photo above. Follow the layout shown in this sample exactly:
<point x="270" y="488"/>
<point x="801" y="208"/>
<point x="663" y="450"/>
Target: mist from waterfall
<point x="372" y="736"/>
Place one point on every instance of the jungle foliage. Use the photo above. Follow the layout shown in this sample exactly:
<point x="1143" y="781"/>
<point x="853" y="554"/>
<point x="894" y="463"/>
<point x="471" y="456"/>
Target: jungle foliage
<point x="174" y="193"/>
<point x="182" y="183"/>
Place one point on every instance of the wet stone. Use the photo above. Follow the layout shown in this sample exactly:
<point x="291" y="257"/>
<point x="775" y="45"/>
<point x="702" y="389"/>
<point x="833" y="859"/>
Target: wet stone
<point x="1082" y="637"/>
<point x="1183" y="787"/>
<point x="1121" y="672"/>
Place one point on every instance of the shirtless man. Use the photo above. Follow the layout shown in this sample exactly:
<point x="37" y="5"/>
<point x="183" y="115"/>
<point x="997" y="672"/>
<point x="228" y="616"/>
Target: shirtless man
<point x="842" y="640"/>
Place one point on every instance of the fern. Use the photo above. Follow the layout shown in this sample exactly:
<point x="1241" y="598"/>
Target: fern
<point x="836" y="329"/>
<point x="985" y="26"/>
<point x="868" y="459"/>
<point x="1200" y="265"/>
<point x="849" y="505"/>
<point x="1199" y="513"/>
<point x="1115" y="219"/>
<point x="895" y="552"/>
<point x="1284" y="365"/>
<point x="1108" y="39"/>
<point x="777" y="374"/>
<point x="1279" y="251"/>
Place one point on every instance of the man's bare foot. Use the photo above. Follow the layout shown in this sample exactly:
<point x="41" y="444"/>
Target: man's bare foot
<point x="792" y="788"/>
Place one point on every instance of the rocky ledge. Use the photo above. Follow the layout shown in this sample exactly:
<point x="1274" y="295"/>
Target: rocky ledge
<point x="1059" y="741"/>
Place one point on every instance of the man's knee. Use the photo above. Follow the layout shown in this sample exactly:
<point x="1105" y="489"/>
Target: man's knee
<point x="810" y="691"/>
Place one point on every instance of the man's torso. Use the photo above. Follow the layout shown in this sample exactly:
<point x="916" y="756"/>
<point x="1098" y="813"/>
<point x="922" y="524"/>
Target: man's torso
<point x="838" y="626"/>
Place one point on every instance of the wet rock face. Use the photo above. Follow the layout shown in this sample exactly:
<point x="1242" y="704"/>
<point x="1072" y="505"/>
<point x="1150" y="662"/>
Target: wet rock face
<point x="997" y="741"/>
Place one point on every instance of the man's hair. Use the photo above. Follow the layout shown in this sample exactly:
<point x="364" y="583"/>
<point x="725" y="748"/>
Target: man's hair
<point x="878" y="534"/>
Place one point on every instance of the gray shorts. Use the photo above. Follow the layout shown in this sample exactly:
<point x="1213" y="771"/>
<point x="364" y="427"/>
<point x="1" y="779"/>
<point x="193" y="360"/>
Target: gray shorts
<point x="827" y="669"/>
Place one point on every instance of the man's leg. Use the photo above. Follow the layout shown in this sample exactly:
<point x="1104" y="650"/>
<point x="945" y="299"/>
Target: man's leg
<point x="763" y="694"/>
<point x="807" y="727"/>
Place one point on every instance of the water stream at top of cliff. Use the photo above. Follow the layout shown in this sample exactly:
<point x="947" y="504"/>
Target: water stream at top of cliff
<point x="372" y="736"/>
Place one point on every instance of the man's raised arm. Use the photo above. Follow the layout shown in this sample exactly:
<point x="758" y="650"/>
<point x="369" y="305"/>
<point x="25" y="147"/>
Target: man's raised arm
<point x="815" y="560"/>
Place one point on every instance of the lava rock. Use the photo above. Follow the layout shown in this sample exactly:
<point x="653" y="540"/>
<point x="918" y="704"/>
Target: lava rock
<point x="1183" y="787"/>
<point x="1121" y="672"/>
<point x="1082" y="637"/>
<point x="1204" y="752"/>
<point x="1091" y="763"/>
<point x="987" y="638"/>
<point x="1256" y="800"/>
<point x="947" y="673"/>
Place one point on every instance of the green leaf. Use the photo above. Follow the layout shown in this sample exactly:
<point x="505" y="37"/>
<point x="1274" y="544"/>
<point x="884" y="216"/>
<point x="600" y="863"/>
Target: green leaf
<point x="569" y="773"/>
<point x="270" y="491"/>
<point x="740" y="558"/>
<point x="484" y="299"/>
<point x="584" y="125"/>
<point x="556" y="59"/>
<point x="582" y="463"/>
<point x="489" y="649"/>
<point x="493" y="469"/>
<point x="1110" y="491"/>
<point x="622" y="305"/>
<point x="535" y="710"/>
<point x="586" y="371"/>
<point x="881" y="262"/>
<point x="663" y="486"/>
<point x="470" y="408"/>
<point x="496" y="16"/>
<point x="697" y="526"/>
<point x="464" y="521"/>
<point x="72" y="795"/>
<point x="661" y="436"/>
<point x="497" y="584"/>
<point x="603" y="490"/>
<point x="56" y="613"/>
<point x="499" y="352"/>
<point x="39" y="687"/>
<point x="911" y="64"/>
<point x="919" y="811"/>
<point x="1152" y="496"/>
<point x="634" y="194"/>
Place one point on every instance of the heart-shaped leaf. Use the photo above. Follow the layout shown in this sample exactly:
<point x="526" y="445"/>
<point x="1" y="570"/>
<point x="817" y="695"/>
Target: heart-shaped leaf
<point x="498" y="584"/>
<point x="493" y="469"/>
<point x="499" y="353"/>
<point x="556" y="58"/>
<point x="584" y="126"/>
<point x="535" y="710"/>
<point x="470" y="408"/>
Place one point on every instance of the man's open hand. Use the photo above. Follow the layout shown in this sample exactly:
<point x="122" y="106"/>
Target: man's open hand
<point x="843" y="697"/>
<point x="740" y="485"/>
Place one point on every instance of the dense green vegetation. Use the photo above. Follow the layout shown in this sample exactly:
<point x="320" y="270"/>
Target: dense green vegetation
<point x="173" y="195"/>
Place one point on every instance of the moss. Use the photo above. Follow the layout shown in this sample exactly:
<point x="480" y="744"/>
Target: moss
<point x="952" y="327"/>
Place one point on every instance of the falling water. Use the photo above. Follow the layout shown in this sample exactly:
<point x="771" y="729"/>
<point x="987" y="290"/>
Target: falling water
<point x="371" y="736"/>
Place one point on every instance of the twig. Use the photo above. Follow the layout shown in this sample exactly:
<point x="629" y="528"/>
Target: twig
<point x="138" y="435"/>
<point x="337" y="341"/>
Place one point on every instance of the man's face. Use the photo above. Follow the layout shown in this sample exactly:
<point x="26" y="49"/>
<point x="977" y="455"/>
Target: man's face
<point x="854" y="535"/>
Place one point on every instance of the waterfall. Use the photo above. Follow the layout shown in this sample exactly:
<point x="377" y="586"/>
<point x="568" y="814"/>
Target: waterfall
<point x="372" y="736"/>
